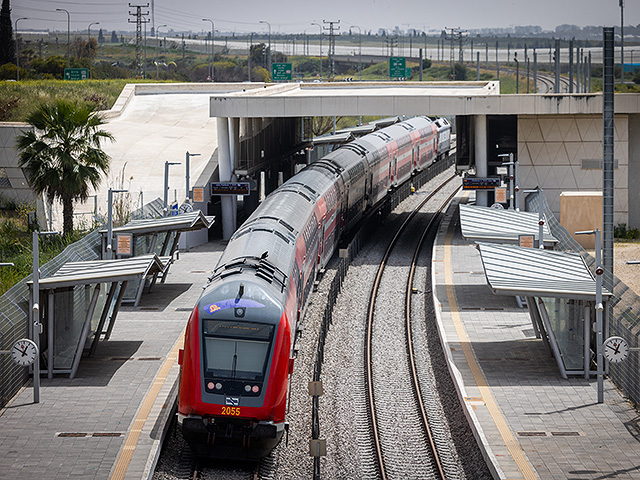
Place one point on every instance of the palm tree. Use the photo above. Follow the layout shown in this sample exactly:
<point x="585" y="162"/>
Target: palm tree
<point x="62" y="156"/>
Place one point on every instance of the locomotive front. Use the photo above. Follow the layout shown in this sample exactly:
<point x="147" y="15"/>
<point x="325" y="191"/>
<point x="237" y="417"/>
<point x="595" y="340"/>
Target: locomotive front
<point x="235" y="369"/>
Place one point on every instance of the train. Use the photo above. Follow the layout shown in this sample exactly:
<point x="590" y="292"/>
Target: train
<point x="239" y="348"/>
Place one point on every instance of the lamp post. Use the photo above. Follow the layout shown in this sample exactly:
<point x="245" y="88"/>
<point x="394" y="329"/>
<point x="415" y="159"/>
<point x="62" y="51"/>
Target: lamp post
<point x="599" y="309"/>
<point x="622" y="40"/>
<point x="320" y="27"/>
<point x="360" y="51"/>
<point x="166" y="184"/>
<point x="186" y="159"/>
<point x="212" y="45"/>
<point x="35" y="309"/>
<point x="18" y="48"/>
<point x="156" y="60"/>
<point x="110" y="222"/>
<point x="68" y="34"/>
<point x="88" y="44"/>
<point x="540" y="216"/>
<point x="269" y="61"/>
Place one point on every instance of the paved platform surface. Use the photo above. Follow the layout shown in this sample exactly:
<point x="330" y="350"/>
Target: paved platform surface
<point x="532" y="423"/>
<point x="112" y="415"/>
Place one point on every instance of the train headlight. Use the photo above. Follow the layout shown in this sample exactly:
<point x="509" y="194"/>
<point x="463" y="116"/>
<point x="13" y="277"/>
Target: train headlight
<point x="247" y="388"/>
<point x="255" y="389"/>
<point x="219" y="386"/>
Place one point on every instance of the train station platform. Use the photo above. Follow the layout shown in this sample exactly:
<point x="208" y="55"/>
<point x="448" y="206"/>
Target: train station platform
<point x="530" y="421"/>
<point x="108" y="421"/>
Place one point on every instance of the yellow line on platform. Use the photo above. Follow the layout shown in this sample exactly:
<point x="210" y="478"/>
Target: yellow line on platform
<point x="510" y="441"/>
<point x="131" y="442"/>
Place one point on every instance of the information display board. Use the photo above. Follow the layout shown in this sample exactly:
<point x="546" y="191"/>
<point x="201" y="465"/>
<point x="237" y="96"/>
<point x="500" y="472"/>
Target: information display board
<point x="478" y="183"/>
<point x="230" y="188"/>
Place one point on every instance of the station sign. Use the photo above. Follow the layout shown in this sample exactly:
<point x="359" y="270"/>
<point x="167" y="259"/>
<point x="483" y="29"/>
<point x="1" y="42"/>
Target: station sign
<point x="281" y="72"/>
<point x="124" y="244"/>
<point x="477" y="183"/>
<point x="76" y="73"/>
<point x="397" y="67"/>
<point x="230" y="188"/>
<point x="198" y="194"/>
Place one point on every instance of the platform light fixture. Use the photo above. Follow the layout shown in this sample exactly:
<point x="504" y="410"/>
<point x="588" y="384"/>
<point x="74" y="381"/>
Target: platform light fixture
<point x="599" y="308"/>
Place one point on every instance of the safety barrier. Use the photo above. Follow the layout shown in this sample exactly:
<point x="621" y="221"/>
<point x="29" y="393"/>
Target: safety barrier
<point x="625" y="317"/>
<point x="14" y="304"/>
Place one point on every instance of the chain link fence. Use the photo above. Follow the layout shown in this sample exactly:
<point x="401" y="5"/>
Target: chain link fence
<point x="624" y="305"/>
<point x="14" y="304"/>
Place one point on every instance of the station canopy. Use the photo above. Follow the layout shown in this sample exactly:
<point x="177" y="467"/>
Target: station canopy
<point x="184" y="222"/>
<point x="534" y="272"/>
<point x="500" y="225"/>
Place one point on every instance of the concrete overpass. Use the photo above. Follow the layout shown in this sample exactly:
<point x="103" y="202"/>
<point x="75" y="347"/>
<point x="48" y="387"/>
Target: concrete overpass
<point x="557" y="137"/>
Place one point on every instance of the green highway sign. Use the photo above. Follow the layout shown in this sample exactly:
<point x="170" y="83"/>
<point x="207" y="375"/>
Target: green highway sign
<point x="397" y="67"/>
<point x="76" y="73"/>
<point x="281" y="72"/>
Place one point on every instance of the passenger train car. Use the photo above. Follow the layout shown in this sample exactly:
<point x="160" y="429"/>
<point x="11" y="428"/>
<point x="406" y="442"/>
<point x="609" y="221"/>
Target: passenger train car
<point x="239" y="345"/>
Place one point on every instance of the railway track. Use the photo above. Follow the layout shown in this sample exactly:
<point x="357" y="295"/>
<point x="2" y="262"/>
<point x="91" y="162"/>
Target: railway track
<point x="394" y="409"/>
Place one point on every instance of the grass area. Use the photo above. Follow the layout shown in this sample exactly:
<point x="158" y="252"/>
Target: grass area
<point x="16" y="244"/>
<point x="19" y="99"/>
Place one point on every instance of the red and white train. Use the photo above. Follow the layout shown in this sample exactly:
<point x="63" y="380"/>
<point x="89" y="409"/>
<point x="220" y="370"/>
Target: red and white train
<point x="239" y="343"/>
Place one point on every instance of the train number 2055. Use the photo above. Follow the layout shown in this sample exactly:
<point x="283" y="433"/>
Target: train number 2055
<point x="235" y="411"/>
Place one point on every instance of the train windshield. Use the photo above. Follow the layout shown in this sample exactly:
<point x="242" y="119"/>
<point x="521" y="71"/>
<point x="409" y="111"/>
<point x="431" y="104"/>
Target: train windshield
<point x="236" y="350"/>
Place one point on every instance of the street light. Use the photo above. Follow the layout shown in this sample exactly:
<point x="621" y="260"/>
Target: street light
<point x="622" y="40"/>
<point x="269" y="61"/>
<point x="599" y="309"/>
<point x="320" y="27"/>
<point x="68" y="34"/>
<point x="187" y="157"/>
<point x="156" y="60"/>
<point x="35" y="308"/>
<point x="18" y="48"/>
<point x="212" y="46"/>
<point x="360" y="52"/>
<point x="110" y="221"/>
<point x="88" y="44"/>
<point x="166" y="184"/>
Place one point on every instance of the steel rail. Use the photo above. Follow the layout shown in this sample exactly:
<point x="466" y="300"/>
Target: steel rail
<point x="369" y="329"/>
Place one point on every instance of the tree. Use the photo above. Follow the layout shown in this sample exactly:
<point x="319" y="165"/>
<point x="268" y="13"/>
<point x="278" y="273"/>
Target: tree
<point x="7" y="47"/>
<point x="62" y="157"/>
<point x="100" y="37"/>
<point x="114" y="37"/>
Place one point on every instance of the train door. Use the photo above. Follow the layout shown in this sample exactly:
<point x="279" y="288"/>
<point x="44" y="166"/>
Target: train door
<point x="395" y="168"/>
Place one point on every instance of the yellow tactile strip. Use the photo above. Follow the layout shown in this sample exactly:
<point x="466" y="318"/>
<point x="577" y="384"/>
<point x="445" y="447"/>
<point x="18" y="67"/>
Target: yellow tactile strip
<point x="131" y="442"/>
<point x="509" y="440"/>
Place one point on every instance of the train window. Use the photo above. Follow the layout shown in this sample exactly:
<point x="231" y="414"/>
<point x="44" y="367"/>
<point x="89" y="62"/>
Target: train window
<point x="236" y="350"/>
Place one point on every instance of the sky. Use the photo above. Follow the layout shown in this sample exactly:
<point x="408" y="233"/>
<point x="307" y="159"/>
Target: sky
<point x="289" y="16"/>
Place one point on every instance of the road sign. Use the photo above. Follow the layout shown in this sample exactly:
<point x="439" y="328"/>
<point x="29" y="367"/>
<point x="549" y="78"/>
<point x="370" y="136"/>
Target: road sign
<point x="281" y="72"/>
<point x="76" y="73"/>
<point x="397" y="67"/>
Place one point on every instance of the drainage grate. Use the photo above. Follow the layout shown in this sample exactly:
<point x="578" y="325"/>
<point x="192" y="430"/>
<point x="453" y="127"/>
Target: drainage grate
<point x="198" y="271"/>
<point x="566" y="434"/>
<point x="184" y="309"/>
<point x="150" y="308"/>
<point x="86" y="435"/>
<point x="149" y="358"/>
<point x="532" y="434"/>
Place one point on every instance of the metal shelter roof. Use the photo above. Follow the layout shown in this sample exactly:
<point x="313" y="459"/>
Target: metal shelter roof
<point x="337" y="138"/>
<point x="514" y="270"/>
<point x="104" y="271"/>
<point x="500" y="225"/>
<point x="360" y="129"/>
<point x="184" y="222"/>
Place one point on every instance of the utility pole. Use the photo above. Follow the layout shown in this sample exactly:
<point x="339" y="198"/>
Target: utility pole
<point x="333" y="27"/>
<point x="139" y="21"/>
<point x="455" y="35"/>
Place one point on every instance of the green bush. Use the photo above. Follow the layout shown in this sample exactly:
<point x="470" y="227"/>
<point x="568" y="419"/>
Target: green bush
<point x="621" y="231"/>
